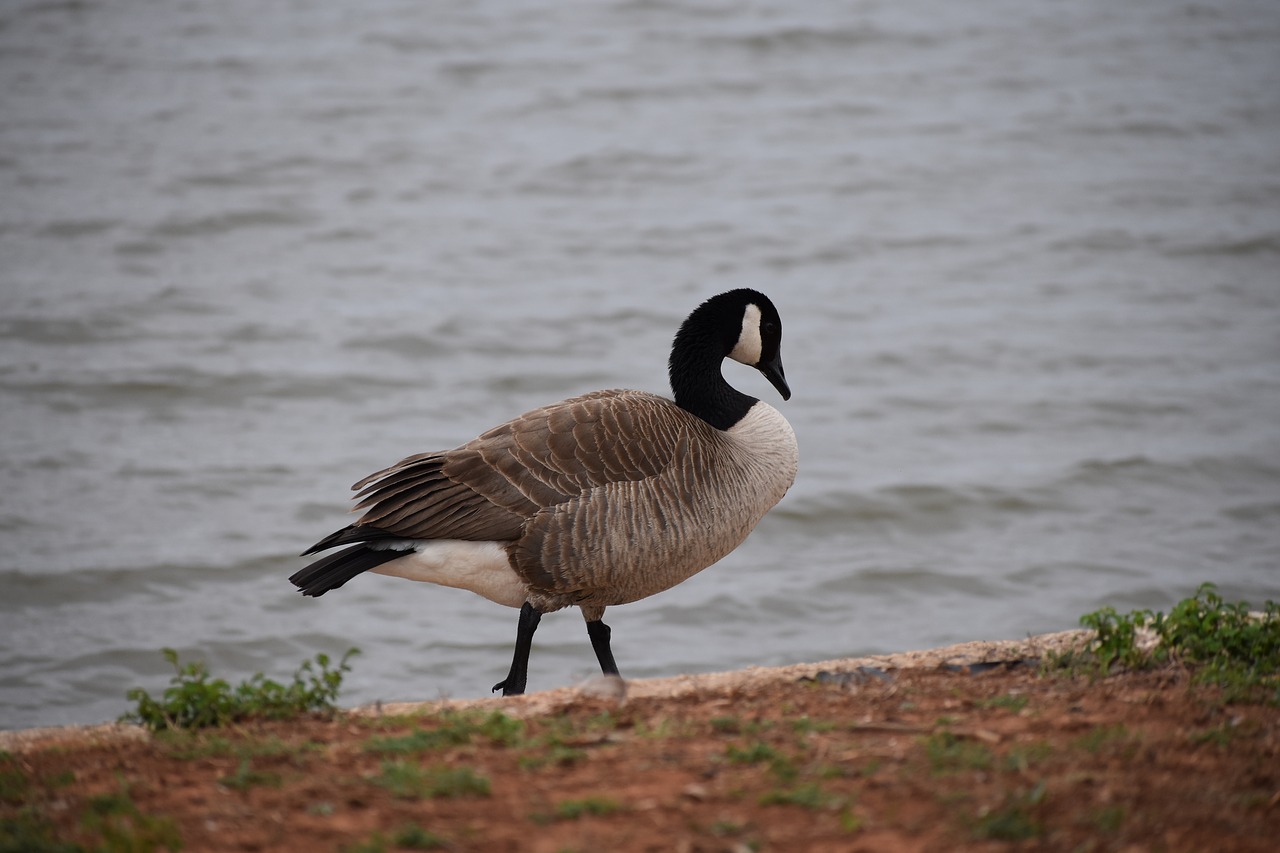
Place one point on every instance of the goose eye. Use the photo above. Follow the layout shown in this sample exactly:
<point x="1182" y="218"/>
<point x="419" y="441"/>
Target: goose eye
<point x="769" y="328"/>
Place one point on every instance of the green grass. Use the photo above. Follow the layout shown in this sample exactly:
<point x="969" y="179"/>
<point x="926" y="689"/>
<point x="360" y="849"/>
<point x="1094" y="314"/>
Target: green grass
<point x="14" y="784"/>
<point x="121" y="828"/>
<point x="1022" y="757"/>
<point x="756" y="753"/>
<point x="246" y="777"/>
<point x="413" y="837"/>
<point x="948" y="753"/>
<point x="411" y="782"/>
<point x="195" y="700"/>
<point x="809" y="795"/>
<point x="1014" y="819"/>
<point x="1107" y="819"/>
<point x="1008" y="702"/>
<point x="1105" y="739"/>
<point x="587" y="806"/>
<point x="455" y="729"/>
<point x="28" y="832"/>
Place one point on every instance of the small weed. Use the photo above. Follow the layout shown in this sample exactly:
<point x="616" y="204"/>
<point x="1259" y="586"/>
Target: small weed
<point x="556" y="755"/>
<point x="246" y="777"/>
<point x="61" y="779"/>
<point x="409" y="781"/>
<point x="948" y="753"/>
<point x="726" y="725"/>
<point x="14" y="784"/>
<point x="1108" y="819"/>
<point x="28" y="832"/>
<point x="414" y="837"/>
<point x="1008" y="702"/>
<point x="195" y="700"/>
<point x="809" y="795"/>
<point x="755" y="754"/>
<point x="1115" y="638"/>
<point x="376" y="843"/>
<point x="403" y="780"/>
<point x="738" y="726"/>
<point x="1013" y="820"/>
<point x="723" y="828"/>
<point x="1023" y="757"/>
<point x="122" y="827"/>
<point x="1220" y="736"/>
<point x="1227" y="645"/>
<point x="186" y="744"/>
<point x="416" y="742"/>
<point x="806" y="725"/>
<point x="595" y="806"/>
<point x="1103" y="737"/>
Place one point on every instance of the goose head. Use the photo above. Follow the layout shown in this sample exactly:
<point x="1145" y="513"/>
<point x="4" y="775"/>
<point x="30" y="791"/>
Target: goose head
<point x="742" y="325"/>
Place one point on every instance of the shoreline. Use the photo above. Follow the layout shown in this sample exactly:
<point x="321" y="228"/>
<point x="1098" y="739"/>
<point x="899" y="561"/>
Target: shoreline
<point x="710" y="684"/>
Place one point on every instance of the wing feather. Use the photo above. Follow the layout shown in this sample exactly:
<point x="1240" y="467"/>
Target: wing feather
<point x="490" y="487"/>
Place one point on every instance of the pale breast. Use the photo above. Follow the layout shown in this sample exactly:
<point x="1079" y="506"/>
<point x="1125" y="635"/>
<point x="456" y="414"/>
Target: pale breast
<point x="631" y="540"/>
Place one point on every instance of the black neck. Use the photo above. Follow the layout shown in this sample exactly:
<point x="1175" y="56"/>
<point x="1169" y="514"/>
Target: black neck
<point x="699" y="387"/>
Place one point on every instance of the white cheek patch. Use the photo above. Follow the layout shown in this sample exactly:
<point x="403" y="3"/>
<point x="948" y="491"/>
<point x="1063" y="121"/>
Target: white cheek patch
<point x="749" y="349"/>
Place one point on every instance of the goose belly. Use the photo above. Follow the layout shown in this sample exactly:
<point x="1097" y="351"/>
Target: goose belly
<point x="482" y="567"/>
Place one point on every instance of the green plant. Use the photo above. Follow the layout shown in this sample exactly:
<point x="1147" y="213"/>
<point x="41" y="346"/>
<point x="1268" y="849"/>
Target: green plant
<point x="1225" y="643"/>
<point x="1115" y="638"/>
<point x="1233" y="649"/>
<point x="195" y="700"/>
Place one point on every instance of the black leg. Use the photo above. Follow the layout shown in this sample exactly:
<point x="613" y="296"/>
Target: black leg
<point x="513" y="684"/>
<point x="599" y="634"/>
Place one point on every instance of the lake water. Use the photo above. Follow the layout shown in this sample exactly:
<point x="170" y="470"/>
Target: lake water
<point x="1027" y="256"/>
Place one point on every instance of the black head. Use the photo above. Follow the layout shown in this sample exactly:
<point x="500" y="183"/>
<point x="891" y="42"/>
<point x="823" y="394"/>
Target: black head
<point x="742" y="325"/>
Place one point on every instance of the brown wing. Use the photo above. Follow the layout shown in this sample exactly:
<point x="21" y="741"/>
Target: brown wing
<point x="489" y="487"/>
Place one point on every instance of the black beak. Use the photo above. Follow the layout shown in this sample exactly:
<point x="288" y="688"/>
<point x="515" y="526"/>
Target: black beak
<point x="772" y="370"/>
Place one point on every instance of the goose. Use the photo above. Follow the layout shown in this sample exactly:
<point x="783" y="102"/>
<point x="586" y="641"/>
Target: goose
<point x="595" y="501"/>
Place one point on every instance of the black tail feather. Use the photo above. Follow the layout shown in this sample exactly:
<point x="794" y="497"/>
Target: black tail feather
<point x="334" y="570"/>
<point x="347" y="535"/>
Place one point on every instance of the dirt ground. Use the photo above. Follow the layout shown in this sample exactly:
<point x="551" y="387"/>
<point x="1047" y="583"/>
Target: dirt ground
<point x="968" y="748"/>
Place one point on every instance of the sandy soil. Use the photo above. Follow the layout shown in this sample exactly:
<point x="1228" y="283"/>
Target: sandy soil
<point x="961" y="748"/>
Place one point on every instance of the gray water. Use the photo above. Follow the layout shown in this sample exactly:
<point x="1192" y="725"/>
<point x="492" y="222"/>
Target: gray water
<point x="1027" y="256"/>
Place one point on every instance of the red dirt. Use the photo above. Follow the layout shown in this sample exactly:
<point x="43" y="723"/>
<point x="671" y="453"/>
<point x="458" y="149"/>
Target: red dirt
<point x="928" y="759"/>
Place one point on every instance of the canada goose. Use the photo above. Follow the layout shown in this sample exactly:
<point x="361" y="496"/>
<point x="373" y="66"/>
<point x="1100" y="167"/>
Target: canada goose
<point x="597" y="500"/>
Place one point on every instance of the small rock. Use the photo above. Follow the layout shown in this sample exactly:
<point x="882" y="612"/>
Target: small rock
<point x="695" y="792"/>
<point x="608" y="687"/>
